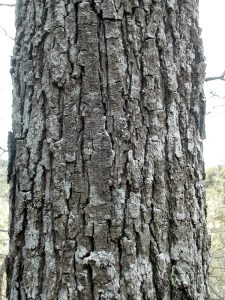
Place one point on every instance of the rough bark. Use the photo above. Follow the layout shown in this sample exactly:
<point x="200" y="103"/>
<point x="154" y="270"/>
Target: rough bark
<point x="108" y="119"/>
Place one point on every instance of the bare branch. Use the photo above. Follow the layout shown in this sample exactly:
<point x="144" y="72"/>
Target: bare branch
<point x="217" y="250"/>
<point x="215" y="95"/>
<point x="9" y="5"/>
<point x="3" y="151"/>
<point x="215" y="292"/>
<point x="221" y="77"/>
<point x="214" y="107"/>
<point x="6" y="33"/>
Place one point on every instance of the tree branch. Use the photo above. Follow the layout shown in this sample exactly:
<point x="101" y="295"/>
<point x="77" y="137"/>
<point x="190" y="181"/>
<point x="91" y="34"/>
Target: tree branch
<point x="221" y="77"/>
<point x="5" y="4"/>
<point x="4" y="150"/>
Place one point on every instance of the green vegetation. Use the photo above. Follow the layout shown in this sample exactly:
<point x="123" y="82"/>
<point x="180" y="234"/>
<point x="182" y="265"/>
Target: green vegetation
<point x="215" y="194"/>
<point x="3" y="224"/>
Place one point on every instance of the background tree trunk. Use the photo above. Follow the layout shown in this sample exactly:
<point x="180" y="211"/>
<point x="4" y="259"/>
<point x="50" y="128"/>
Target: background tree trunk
<point x="106" y="155"/>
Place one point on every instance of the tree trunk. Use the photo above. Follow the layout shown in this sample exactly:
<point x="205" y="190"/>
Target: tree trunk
<point x="106" y="162"/>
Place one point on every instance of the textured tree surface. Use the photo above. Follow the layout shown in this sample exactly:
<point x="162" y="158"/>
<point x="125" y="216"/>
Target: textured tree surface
<point x="106" y="152"/>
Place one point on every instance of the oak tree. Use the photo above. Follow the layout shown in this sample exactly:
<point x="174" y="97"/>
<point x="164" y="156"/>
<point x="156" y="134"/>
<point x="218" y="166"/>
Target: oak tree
<point x="106" y="164"/>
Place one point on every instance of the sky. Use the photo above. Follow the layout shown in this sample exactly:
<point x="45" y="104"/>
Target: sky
<point x="6" y="22"/>
<point x="212" y="22"/>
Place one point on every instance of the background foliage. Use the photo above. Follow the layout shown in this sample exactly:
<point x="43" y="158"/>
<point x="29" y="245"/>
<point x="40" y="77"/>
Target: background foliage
<point x="3" y="224"/>
<point x="215" y="193"/>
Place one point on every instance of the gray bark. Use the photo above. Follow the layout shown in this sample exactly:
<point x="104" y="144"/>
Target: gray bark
<point x="106" y="173"/>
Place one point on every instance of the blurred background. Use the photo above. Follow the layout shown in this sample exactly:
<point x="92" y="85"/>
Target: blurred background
<point x="212" y="22"/>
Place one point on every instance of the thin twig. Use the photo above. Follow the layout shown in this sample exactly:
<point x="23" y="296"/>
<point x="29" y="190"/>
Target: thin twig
<point x="6" y="33"/>
<point x="213" y="108"/>
<point x="215" y="95"/>
<point x="217" y="250"/>
<point x="3" y="151"/>
<point x="215" y="292"/>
